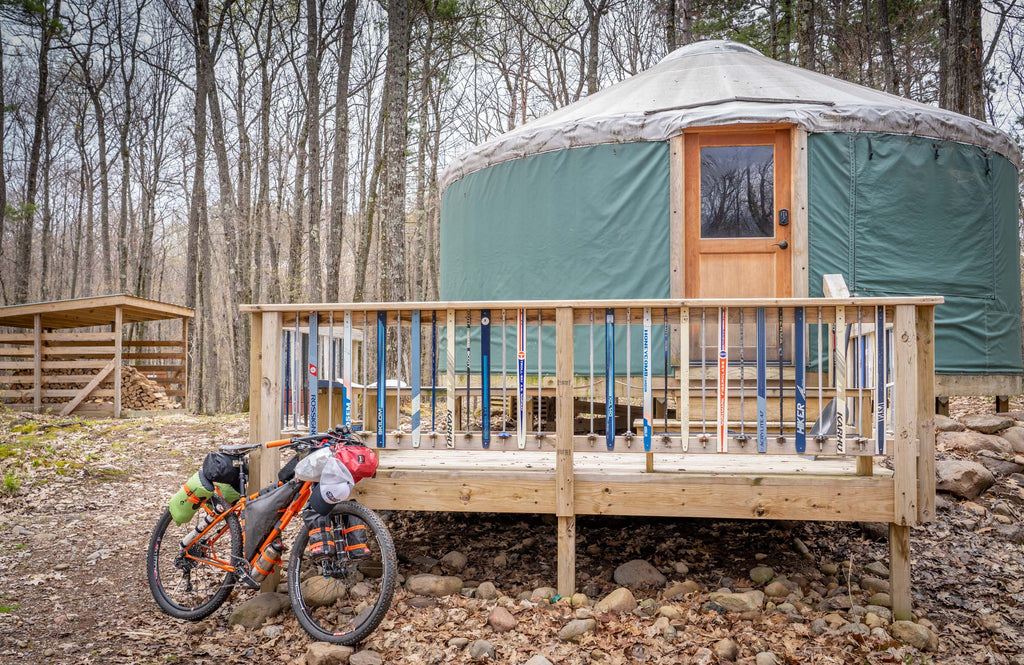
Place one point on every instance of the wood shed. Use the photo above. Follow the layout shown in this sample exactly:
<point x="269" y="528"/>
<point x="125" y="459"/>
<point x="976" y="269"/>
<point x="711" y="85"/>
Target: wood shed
<point x="90" y="356"/>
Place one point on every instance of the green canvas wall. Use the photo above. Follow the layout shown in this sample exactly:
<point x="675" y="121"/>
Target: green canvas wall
<point x="900" y="215"/>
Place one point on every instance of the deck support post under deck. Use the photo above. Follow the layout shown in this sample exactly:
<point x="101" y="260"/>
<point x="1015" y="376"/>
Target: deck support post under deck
<point x="118" y="345"/>
<point x="899" y="571"/>
<point x="565" y="477"/>
<point x="37" y="364"/>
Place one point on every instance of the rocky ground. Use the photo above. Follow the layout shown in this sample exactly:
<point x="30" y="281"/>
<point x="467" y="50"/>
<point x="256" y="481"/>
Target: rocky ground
<point x="79" y="498"/>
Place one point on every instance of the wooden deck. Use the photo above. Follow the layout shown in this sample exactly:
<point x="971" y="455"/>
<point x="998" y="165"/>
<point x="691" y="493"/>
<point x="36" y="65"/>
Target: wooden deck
<point x="721" y="486"/>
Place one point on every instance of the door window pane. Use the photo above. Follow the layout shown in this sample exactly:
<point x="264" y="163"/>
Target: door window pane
<point x="737" y="192"/>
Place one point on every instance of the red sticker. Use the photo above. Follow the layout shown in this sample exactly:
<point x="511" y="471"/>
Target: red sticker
<point x="312" y="369"/>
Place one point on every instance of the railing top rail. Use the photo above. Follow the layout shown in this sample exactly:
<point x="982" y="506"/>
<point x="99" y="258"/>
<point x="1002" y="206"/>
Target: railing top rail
<point x="596" y="304"/>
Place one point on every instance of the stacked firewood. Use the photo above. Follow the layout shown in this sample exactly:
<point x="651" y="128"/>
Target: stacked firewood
<point x="140" y="392"/>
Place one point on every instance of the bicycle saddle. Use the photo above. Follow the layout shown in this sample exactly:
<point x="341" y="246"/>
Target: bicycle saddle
<point x="239" y="449"/>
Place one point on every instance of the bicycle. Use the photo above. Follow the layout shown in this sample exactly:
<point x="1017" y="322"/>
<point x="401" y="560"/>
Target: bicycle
<point x="340" y="599"/>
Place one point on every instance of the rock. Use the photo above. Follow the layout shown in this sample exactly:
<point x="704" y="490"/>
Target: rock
<point x="543" y="593"/>
<point x="874" y="584"/>
<point x="766" y="658"/>
<point x="500" y="561"/>
<point x="1015" y="437"/>
<point x="987" y="423"/>
<point x="962" y="478"/>
<point x="801" y="547"/>
<point x="575" y="629"/>
<point x="481" y="649"/>
<point x="538" y="660"/>
<point x="880" y="635"/>
<point x="854" y="629"/>
<point x="486" y="591"/>
<point x="880" y="611"/>
<point x="324" y="653"/>
<point x="974" y="508"/>
<point x="638" y="573"/>
<point x="738" y="602"/>
<point x="874" y="530"/>
<point x="999" y="466"/>
<point x="911" y="633"/>
<point x="828" y="569"/>
<point x="878" y="569"/>
<point x="880" y="599"/>
<point x="726" y="649"/>
<point x="972" y="442"/>
<point x="682" y="569"/>
<point x="421" y="602"/>
<point x="254" y="612"/>
<point x="620" y="600"/>
<point x="703" y="656"/>
<point x="454" y="562"/>
<point x="761" y="574"/>
<point x="583" y="613"/>
<point x="434" y="586"/>
<point x="367" y="657"/>
<point x="818" y="626"/>
<point x="1017" y="479"/>
<point x="501" y="620"/>
<point x="776" y="590"/>
<point x="271" y="632"/>
<point x="579" y="600"/>
<point x="834" y="620"/>
<point x="458" y="642"/>
<point x="670" y="612"/>
<point x="872" y="620"/>
<point x="947" y="424"/>
<point x="680" y="589"/>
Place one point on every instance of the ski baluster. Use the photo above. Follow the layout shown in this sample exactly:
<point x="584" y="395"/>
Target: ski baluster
<point x="839" y="344"/>
<point x="762" y="382"/>
<point x="485" y="374"/>
<point x="880" y="372"/>
<point x="382" y="382"/>
<point x="609" y="377"/>
<point x="449" y="392"/>
<point x="521" y="378"/>
<point x="723" y="379"/>
<point x="346" y="372"/>
<point x="801" y="381"/>
<point x="414" y="409"/>
<point x="648" y="393"/>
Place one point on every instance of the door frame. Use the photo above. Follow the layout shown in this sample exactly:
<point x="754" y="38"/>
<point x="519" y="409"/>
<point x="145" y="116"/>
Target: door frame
<point x="798" y="203"/>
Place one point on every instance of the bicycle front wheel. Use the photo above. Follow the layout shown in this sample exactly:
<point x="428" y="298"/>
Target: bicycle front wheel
<point x="344" y="598"/>
<point x="186" y="588"/>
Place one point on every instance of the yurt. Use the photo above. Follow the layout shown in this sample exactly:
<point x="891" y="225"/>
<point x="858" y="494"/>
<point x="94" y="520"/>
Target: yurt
<point x="722" y="173"/>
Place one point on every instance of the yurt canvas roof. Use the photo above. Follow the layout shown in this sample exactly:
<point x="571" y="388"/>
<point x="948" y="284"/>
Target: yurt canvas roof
<point x="721" y="83"/>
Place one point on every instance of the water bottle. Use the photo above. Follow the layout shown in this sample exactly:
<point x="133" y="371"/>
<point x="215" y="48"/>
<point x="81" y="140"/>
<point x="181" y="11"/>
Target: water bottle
<point x="270" y="557"/>
<point x="200" y="527"/>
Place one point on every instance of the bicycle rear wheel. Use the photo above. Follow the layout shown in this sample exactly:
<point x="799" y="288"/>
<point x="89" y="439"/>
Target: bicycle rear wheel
<point x="185" y="588"/>
<point x="342" y="600"/>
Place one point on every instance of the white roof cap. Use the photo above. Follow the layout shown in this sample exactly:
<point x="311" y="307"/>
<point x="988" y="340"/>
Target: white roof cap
<point x="721" y="83"/>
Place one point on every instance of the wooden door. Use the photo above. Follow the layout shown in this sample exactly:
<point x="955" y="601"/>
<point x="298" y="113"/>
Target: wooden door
<point x="737" y="220"/>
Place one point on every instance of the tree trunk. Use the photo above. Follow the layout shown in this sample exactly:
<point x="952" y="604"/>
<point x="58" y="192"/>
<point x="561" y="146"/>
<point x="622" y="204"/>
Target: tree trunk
<point x="313" y="123"/>
<point x="3" y="134"/>
<point x="595" y="8"/>
<point x="45" y="242"/>
<point x="786" y="30"/>
<point x="943" y="53"/>
<point x="366" y="230"/>
<point x="685" y="18"/>
<point x="807" y="36"/>
<point x="966" y="91"/>
<point x="670" y="25"/>
<point x="40" y="120"/>
<point x="339" y="170"/>
<point x="892" y="81"/>
<point x="294" y="279"/>
<point x="396" y="93"/>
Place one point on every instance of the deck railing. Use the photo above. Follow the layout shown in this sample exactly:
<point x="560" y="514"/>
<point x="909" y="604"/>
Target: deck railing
<point x="655" y="376"/>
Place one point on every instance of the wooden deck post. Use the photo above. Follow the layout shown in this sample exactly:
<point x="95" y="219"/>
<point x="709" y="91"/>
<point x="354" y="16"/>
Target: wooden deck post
<point x="564" y="475"/>
<point x="118" y="326"/>
<point x="926" y="418"/>
<point x="905" y="458"/>
<point x="184" y="362"/>
<point x="37" y="365"/>
<point x="265" y="394"/>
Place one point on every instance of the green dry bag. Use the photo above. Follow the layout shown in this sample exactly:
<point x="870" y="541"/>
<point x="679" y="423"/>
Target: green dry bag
<point x="187" y="500"/>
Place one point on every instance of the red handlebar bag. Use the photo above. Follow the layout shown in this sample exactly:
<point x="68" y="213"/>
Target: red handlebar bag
<point x="358" y="459"/>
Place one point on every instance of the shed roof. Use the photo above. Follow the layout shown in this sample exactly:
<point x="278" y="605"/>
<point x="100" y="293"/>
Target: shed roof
<point x="87" y="312"/>
<point x="720" y="83"/>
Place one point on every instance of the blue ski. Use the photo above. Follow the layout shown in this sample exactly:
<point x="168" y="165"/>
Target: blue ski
<point x="382" y="382"/>
<point x="762" y="383"/>
<point x="801" y="381"/>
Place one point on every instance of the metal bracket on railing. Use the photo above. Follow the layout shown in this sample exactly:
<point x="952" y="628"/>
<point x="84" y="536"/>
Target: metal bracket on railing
<point x="742" y="438"/>
<point x="780" y="438"/>
<point x="861" y="440"/>
<point x="591" y="438"/>
<point x="398" y="435"/>
<point x="540" y="438"/>
<point x="821" y="441"/>
<point x="703" y="438"/>
<point x="469" y="435"/>
<point x="666" y="439"/>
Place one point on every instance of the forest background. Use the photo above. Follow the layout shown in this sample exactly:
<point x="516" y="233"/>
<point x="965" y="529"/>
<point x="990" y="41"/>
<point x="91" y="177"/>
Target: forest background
<point x="219" y="152"/>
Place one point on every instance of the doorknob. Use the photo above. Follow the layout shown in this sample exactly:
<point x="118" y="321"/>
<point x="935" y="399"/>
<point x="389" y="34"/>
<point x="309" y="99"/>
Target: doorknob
<point x="781" y="245"/>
